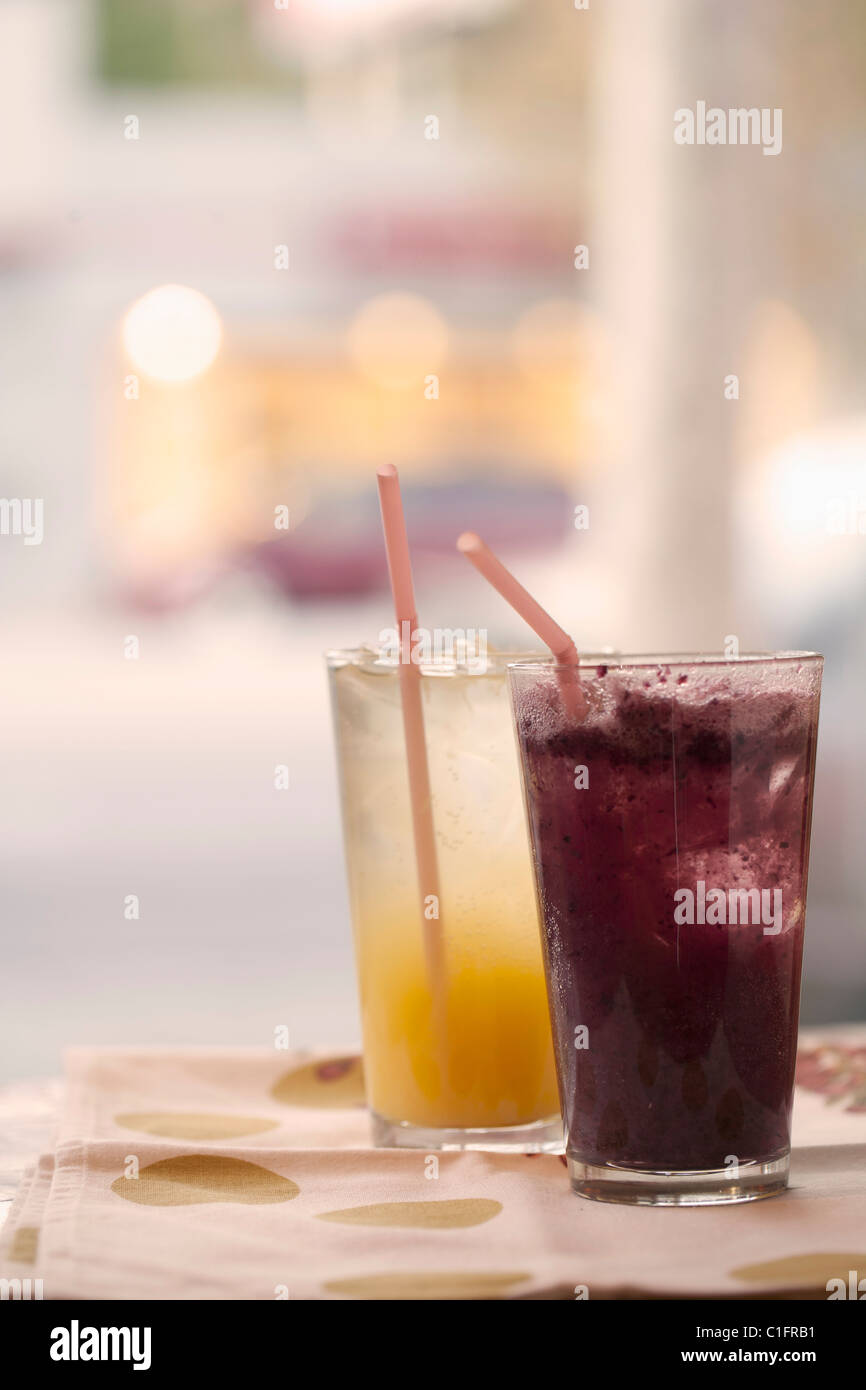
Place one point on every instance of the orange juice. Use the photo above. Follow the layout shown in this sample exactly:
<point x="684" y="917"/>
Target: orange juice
<point x="494" y="1066"/>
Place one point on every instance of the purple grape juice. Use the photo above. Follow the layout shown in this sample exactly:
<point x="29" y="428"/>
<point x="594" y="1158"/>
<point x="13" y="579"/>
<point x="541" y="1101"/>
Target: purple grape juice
<point x="670" y="835"/>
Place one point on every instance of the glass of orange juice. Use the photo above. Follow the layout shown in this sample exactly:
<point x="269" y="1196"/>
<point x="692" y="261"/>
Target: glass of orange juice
<point x="472" y="1067"/>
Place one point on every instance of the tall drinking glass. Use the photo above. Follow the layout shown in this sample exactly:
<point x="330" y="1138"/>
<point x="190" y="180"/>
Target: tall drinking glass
<point x="474" y="1070"/>
<point x="670" y="833"/>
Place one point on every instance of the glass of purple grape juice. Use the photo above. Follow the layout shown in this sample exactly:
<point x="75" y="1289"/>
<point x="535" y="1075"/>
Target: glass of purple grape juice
<point x="669" y="814"/>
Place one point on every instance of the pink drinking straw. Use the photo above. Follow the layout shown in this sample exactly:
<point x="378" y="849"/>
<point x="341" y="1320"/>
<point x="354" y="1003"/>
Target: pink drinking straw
<point x="400" y="573"/>
<point x="551" y="634"/>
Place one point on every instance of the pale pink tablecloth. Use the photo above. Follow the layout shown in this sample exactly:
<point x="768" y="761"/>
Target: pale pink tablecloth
<point x="249" y="1175"/>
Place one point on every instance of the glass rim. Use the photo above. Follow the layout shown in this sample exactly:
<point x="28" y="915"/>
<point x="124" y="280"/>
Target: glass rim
<point x="490" y="662"/>
<point x="652" y="660"/>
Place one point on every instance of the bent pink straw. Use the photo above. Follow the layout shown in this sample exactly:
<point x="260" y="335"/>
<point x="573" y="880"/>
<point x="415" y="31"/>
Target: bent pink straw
<point x="400" y="573"/>
<point x="521" y="600"/>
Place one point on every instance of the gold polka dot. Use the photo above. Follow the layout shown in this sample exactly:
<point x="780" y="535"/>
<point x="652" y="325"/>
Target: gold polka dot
<point x="181" y="1126"/>
<point x="441" y="1215"/>
<point x="803" y="1271"/>
<point x="193" y="1178"/>
<point x="421" y="1284"/>
<point x="22" y="1247"/>
<point x="330" y="1083"/>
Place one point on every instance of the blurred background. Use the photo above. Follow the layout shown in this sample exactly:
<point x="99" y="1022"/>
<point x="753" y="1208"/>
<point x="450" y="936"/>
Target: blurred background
<point x="251" y="250"/>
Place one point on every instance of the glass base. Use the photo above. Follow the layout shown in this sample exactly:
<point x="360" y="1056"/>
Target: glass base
<point x="689" y="1188"/>
<point x="539" y="1137"/>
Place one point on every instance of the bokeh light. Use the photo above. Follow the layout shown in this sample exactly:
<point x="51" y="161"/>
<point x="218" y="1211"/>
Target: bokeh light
<point x="172" y="333"/>
<point x="397" y="340"/>
<point x="556" y="335"/>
